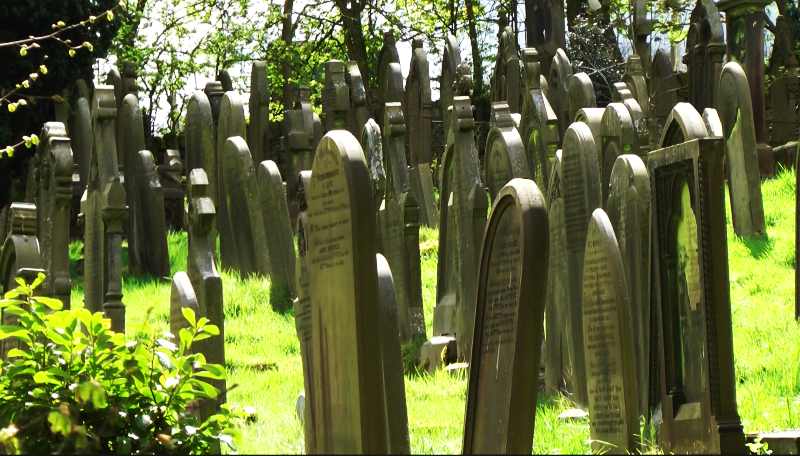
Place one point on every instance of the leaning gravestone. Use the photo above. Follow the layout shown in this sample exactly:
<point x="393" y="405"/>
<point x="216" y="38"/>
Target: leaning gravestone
<point x="580" y="187"/>
<point x="505" y="155"/>
<point x="744" y="181"/>
<point x="239" y="189"/>
<point x="539" y="122"/>
<point x="258" y="136"/>
<point x="394" y="389"/>
<point x="206" y="282"/>
<point x="386" y="56"/>
<point x="335" y="97"/>
<point x="53" y="197"/>
<point x="608" y="342"/>
<point x="298" y="142"/>
<point x="347" y="388"/>
<point x="628" y="208"/>
<point x="581" y="94"/>
<point x="559" y="89"/>
<point x="618" y="139"/>
<point x="512" y="290"/>
<point x="357" y="112"/>
<point x="151" y="226"/>
<point x="231" y="123"/>
<point x="277" y="227"/>
<point x="104" y="214"/>
<point x="697" y="385"/>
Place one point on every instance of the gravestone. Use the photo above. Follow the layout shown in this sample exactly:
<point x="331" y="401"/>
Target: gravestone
<point x="581" y="95"/>
<point x="628" y="208"/>
<point x="394" y="389"/>
<point x="608" y="343"/>
<point x="104" y="213"/>
<point x="239" y="189"/>
<point x="637" y="84"/>
<point x="618" y="139"/>
<point x="593" y="118"/>
<point x="348" y="398"/>
<point x="509" y="316"/>
<point x="785" y="89"/>
<point x="335" y="97"/>
<point x="53" y="198"/>
<point x="663" y="85"/>
<point x="130" y="141"/>
<point x="505" y="154"/>
<point x="683" y="124"/>
<point x="81" y="139"/>
<point x="258" y="136"/>
<point x="181" y="296"/>
<point x="372" y="146"/>
<point x="544" y="24"/>
<point x="357" y="113"/>
<point x="277" y="227"/>
<point x="124" y="84"/>
<point x="744" y="182"/>
<point x="705" y="52"/>
<point x="387" y="55"/>
<point x="298" y="142"/>
<point x="451" y="61"/>
<point x="231" y="123"/>
<point x="151" y="226"/>
<point x="214" y="92"/>
<point x="539" y="123"/>
<point x="170" y="174"/>
<point x="400" y="228"/>
<point x="224" y="78"/>
<point x="558" y="87"/>
<point x="506" y="77"/>
<point x="696" y="381"/>
<point x="200" y="141"/>
<point x="642" y="28"/>
<point x="202" y="271"/>
<point x="580" y="189"/>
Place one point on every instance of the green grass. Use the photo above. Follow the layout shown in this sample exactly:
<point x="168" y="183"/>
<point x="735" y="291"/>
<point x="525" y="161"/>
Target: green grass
<point x="263" y="353"/>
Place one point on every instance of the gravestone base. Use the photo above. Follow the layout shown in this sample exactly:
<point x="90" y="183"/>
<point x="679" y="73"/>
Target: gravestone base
<point x="444" y="317"/>
<point x="431" y="354"/>
<point x="786" y="442"/>
<point x="766" y="165"/>
<point x="785" y="156"/>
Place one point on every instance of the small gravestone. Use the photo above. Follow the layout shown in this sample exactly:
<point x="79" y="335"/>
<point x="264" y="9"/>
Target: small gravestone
<point x="509" y="316"/>
<point x="181" y="296"/>
<point x="151" y="226"/>
<point x="559" y="88"/>
<point x="231" y="123"/>
<point x="580" y="189"/>
<point x="357" y="113"/>
<point x="53" y="197"/>
<point x="557" y="363"/>
<point x="335" y="97"/>
<point x="683" y="124"/>
<point x="298" y="142"/>
<point x="539" y="123"/>
<point x="696" y="386"/>
<point x="258" y="136"/>
<point x="608" y="342"/>
<point x="505" y="155"/>
<point x="130" y="141"/>
<point x="581" y="94"/>
<point x="387" y="55"/>
<point x="744" y="181"/>
<point x="277" y="227"/>
<point x="104" y="216"/>
<point x="170" y="174"/>
<point x="618" y="139"/>
<point x="628" y="208"/>
<point x="239" y="189"/>
<point x="593" y="118"/>
<point x="394" y="389"/>
<point x="348" y="395"/>
<point x="206" y="282"/>
<point x="506" y="76"/>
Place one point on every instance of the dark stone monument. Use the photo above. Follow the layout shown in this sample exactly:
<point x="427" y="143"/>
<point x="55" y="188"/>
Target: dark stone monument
<point x="231" y="123"/>
<point x="387" y="55"/>
<point x="224" y="78"/>
<point x="451" y="61"/>
<point x="258" y="136"/>
<point x="608" y="343"/>
<point x="201" y="143"/>
<point x="558" y="370"/>
<point x="539" y="123"/>
<point x="544" y="23"/>
<point x="357" y="113"/>
<point x="705" y="52"/>
<point x="348" y="405"/>
<point x="372" y="146"/>
<point x="642" y="28"/>
<point x="151" y="226"/>
<point x="299" y="144"/>
<point x="277" y="227"/>
<point x="80" y="133"/>
<point x="558" y="88"/>
<point x="637" y="85"/>
<point x="335" y="97"/>
<point x="663" y="84"/>
<point x="506" y="77"/>
<point x="505" y="154"/>
<point x="509" y="316"/>
<point x="169" y="175"/>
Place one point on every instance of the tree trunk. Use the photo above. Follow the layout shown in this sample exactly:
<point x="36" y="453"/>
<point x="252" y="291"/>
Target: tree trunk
<point x="287" y="34"/>
<point x="355" y="42"/>
<point x="479" y="98"/>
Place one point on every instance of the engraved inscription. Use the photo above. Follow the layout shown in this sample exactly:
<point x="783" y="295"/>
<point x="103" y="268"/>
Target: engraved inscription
<point x="576" y="207"/>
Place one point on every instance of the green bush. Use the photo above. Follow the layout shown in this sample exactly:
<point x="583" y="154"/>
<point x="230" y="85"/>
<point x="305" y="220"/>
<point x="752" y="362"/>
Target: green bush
<point x="73" y="385"/>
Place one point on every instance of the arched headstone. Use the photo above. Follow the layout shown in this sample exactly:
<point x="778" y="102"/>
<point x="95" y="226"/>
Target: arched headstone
<point x="505" y="154"/>
<point x="559" y="85"/>
<point x="451" y="61"/>
<point x="506" y="77"/>
<point x="258" y="136"/>
<point x="357" y="114"/>
<point x="581" y="95"/>
<point x="277" y="227"/>
<point x="231" y="123"/>
<point x="558" y="376"/>
<point x="130" y="142"/>
<point x="618" y="139"/>
<point x="387" y="55"/>
<point x="151" y="226"/>
<point x="539" y="123"/>
<point x="300" y="127"/>
<point x="81" y="137"/>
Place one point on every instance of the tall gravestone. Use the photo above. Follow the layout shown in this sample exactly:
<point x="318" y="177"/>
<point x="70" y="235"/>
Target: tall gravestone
<point x="104" y="213"/>
<point x="451" y="61"/>
<point x="387" y="55"/>
<point x="705" y="52"/>
<point x="200" y="140"/>
<point x="539" y="122"/>
<point x="580" y="189"/>
<point x="608" y="343"/>
<point x="170" y="176"/>
<point x="348" y="405"/>
<point x="506" y="77"/>
<point x="618" y="139"/>
<point x="151" y="226"/>
<point x="558" y="87"/>
<point x="509" y="316"/>
<point x="231" y="123"/>
<point x="53" y="198"/>
<point x="81" y="138"/>
<point x="299" y="145"/>
<point x="130" y="141"/>
<point x="696" y="381"/>
<point x="357" y="113"/>
<point x="637" y="84"/>
<point x="335" y="97"/>
<point x="258" y="136"/>
<point x="505" y="154"/>
<point x="663" y="84"/>
<point x="744" y="182"/>
<point x="629" y="209"/>
<point x="277" y="226"/>
<point x="558" y="371"/>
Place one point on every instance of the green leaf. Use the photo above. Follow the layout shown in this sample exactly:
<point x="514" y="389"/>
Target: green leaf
<point x="167" y="344"/>
<point x="45" y="377"/>
<point x="186" y="338"/>
<point x="211" y="329"/>
<point x="205" y="389"/>
<point x="58" y="338"/>
<point x="188" y="314"/>
<point x="214" y="371"/>
<point x="165" y="361"/>
<point x="7" y="331"/>
<point x="40" y="276"/>
<point x="124" y="445"/>
<point x="16" y="352"/>
<point x="15" y="310"/>
<point x="54" y="304"/>
<point x="58" y="372"/>
<point x="59" y="423"/>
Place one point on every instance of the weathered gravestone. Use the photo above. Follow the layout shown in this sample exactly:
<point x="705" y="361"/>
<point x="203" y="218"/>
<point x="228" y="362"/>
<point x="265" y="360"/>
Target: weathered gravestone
<point x="277" y="227"/>
<point x="104" y="213"/>
<point x="394" y="389"/>
<point x="628" y="208"/>
<point x="206" y="282"/>
<point x="505" y="80"/>
<point x="580" y="190"/>
<point x="357" y="113"/>
<point x="558" y="88"/>
<point x="258" y="136"/>
<point x="663" y="85"/>
<point x="148" y="208"/>
<point x="335" y="97"/>
<point x="642" y="28"/>
<point x="387" y="55"/>
<point x="744" y="182"/>
<point x="348" y="402"/>
<point x="544" y="23"/>
<point x="696" y="385"/>
<point x="239" y="191"/>
<point x="581" y="95"/>
<point x="451" y="61"/>
<point x="593" y="118"/>
<point x="608" y="343"/>
<point x="785" y="89"/>
<point x="558" y="376"/>
<point x="130" y="140"/>
<point x="372" y="146"/>
<point x="637" y="84"/>
<point x="505" y="154"/>
<point x="539" y="123"/>
<point x="705" y="52"/>
<point x="224" y="78"/>
<point x="512" y="289"/>
<point x="299" y="145"/>
<point x="53" y="197"/>
<point x="200" y="141"/>
<point x="170" y="173"/>
<point x="214" y="92"/>
<point x="80" y="133"/>
<point x="618" y="139"/>
<point x="124" y="84"/>
<point x="399" y="221"/>
<point x="231" y="123"/>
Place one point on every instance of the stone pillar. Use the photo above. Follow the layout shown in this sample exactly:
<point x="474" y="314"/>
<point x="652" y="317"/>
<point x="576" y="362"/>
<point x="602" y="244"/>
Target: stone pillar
<point x="745" y="37"/>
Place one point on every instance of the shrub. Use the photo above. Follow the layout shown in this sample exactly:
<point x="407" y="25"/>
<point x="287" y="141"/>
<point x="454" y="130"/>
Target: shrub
<point x="73" y="385"/>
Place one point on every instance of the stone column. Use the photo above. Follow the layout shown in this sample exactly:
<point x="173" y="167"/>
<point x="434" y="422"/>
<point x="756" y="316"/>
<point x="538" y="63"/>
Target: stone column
<point x="745" y="37"/>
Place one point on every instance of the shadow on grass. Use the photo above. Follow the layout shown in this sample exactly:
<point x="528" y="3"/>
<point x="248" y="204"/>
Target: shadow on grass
<point x="760" y="247"/>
